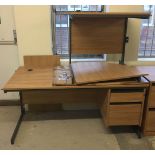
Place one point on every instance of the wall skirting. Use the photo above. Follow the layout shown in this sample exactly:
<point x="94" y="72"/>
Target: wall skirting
<point x="9" y="102"/>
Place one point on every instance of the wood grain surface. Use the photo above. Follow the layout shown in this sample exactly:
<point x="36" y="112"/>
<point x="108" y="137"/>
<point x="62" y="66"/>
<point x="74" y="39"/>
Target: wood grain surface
<point x="41" y="61"/>
<point x="127" y="97"/>
<point x="62" y="96"/>
<point x="150" y="121"/>
<point x="36" y="78"/>
<point x="89" y="72"/>
<point x="142" y="15"/>
<point x="152" y="97"/>
<point x="97" y="35"/>
<point x="23" y="79"/>
<point x="149" y="113"/>
<point x="125" y="114"/>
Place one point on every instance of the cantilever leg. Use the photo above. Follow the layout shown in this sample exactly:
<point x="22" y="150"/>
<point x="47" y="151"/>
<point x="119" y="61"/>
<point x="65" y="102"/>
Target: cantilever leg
<point x="19" y="120"/>
<point x="138" y="131"/>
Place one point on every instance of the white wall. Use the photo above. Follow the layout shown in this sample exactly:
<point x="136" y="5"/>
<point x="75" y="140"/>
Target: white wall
<point x="133" y="31"/>
<point x="7" y="23"/>
<point x="8" y="53"/>
<point x="33" y="30"/>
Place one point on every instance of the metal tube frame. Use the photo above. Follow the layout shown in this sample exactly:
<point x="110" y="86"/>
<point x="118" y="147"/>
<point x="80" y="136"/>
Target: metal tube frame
<point x="22" y="108"/>
<point x="70" y="54"/>
<point x="124" y="41"/>
<point x="138" y="131"/>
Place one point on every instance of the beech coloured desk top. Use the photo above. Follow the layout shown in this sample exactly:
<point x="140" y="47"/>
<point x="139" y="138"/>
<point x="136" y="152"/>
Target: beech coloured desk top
<point x="89" y="72"/>
<point x="42" y="79"/>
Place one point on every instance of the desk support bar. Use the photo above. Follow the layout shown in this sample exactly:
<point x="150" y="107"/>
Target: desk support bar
<point x="69" y="40"/>
<point x="138" y="131"/>
<point x="124" y="41"/>
<point x="19" y="120"/>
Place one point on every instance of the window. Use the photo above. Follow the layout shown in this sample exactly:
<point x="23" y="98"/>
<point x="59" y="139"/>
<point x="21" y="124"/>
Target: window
<point x="62" y="29"/>
<point x="147" y="37"/>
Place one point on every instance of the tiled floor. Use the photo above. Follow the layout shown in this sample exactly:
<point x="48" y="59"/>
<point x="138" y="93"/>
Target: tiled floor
<point x="66" y="130"/>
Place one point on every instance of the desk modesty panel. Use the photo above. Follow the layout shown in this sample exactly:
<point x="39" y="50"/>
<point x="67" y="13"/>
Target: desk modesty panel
<point x="41" y="61"/>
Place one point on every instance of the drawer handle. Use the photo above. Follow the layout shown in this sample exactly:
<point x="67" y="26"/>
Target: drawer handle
<point x="127" y="90"/>
<point x="124" y="103"/>
<point x="151" y="109"/>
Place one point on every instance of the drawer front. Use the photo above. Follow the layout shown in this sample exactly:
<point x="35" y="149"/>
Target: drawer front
<point x="125" y="114"/>
<point x="127" y="97"/>
<point x="152" y="97"/>
<point x="150" y="124"/>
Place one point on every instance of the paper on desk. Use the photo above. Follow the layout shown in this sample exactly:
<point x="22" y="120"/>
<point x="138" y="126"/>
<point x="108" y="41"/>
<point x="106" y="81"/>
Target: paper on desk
<point x="62" y="76"/>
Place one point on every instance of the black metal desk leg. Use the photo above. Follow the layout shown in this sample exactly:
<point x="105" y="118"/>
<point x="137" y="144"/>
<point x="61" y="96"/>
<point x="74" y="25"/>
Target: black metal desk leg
<point x="137" y="129"/>
<point x="139" y="133"/>
<point x="19" y="120"/>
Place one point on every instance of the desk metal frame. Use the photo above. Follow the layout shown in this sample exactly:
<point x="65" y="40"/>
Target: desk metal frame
<point x="23" y="112"/>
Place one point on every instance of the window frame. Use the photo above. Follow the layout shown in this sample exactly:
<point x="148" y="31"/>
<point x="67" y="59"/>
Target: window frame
<point x="66" y="56"/>
<point x="150" y="24"/>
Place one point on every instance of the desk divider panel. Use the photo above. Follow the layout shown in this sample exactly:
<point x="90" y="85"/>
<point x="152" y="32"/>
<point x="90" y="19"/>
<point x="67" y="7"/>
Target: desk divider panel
<point x="41" y="61"/>
<point x="99" y="32"/>
<point x="97" y="35"/>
